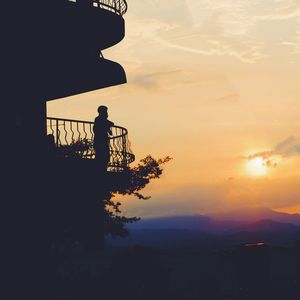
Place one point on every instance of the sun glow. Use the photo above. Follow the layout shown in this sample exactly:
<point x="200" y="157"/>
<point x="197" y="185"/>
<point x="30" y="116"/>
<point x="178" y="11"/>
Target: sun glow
<point x="256" y="167"/>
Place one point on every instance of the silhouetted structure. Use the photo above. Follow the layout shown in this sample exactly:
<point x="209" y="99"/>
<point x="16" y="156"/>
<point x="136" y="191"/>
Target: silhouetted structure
<point x="53" y="49"/>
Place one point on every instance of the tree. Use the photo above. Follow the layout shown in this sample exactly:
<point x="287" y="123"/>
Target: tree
<point x="133" y="181"/>
<point x="80" y="220"/>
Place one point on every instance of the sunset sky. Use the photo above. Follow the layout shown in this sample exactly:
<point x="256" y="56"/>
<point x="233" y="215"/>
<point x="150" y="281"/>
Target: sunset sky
<point x="216" y="86"/>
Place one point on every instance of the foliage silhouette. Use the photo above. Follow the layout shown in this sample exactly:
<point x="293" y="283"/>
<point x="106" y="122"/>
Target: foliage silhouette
<point x="76" y="149"/>
<point x="135" y="179"/>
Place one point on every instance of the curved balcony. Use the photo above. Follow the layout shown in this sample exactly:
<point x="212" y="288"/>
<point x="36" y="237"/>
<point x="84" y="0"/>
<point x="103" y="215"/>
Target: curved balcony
<point x="61" y="44"/>
<point x="98" y="23"/>
<point x="74" y="139"/>
<point x="80" y="77"/>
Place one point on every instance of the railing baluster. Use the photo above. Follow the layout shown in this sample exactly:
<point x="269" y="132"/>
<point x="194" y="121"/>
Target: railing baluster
<point x="66" y="132"/>
<point x="124" y="149"/>
<point x="92" y="132"/>
<point x="51" y="128"/>
<point x="77" y="123"/>
<point x="85" y="133"/>
<point x="57" y="133"/>
<point x="72" y="136"/>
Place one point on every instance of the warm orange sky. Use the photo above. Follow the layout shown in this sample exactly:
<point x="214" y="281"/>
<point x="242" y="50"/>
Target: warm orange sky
<point x="215" y="85"/>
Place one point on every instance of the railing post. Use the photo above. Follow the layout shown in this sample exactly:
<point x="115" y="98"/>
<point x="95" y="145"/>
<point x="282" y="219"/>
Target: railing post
<point x="124" y="161"/>
<point x="57" y="133"/>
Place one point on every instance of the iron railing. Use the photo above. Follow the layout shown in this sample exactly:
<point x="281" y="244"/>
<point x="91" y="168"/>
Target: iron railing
<point x="118" y="7"/>
<point x="75" y="139"/>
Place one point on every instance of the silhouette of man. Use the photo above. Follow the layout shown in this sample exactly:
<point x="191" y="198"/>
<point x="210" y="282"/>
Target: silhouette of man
<point x="102" y="130"/>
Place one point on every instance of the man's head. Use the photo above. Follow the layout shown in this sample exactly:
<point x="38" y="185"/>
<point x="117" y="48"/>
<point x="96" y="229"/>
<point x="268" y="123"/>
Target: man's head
<point x="102" y="110"/>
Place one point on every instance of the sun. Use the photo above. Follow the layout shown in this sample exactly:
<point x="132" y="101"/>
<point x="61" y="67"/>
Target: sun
<point x="256" y="167"/>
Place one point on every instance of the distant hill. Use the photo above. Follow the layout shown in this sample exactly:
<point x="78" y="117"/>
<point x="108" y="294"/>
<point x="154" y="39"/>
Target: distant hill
<point x="204" y="231"/>
<point x="257" y="214"/>
<point x="269" y="226"/>
<point x="197" y="222"/>
<point x="217" y="223"/>
<point x="268" y="231"/>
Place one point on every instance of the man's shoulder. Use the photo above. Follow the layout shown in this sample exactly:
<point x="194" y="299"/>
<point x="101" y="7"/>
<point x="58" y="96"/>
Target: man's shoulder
<point x="98" y="119"/>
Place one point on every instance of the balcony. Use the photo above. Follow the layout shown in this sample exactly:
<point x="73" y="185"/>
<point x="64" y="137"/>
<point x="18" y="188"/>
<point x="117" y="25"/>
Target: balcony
<point x="74" y="42"/>
<point x="101" y="21"/>
<point x="81" y="77"/>
<point x="54" y="48"/>
<point x="74" y="140"/>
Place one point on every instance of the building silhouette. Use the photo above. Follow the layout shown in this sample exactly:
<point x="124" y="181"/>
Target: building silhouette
<point x="52" y="187"/>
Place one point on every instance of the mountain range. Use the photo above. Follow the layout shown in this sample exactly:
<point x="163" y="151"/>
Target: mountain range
<point x="218" y="223"/>
<point x="231" y="228"/>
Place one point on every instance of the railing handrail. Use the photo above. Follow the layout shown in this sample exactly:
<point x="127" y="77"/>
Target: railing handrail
<point x="119" y="7"/>
<point x="125" y="131"/>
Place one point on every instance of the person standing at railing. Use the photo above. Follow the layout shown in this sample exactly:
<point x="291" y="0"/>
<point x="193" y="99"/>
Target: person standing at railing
<point x="102" y="131"/>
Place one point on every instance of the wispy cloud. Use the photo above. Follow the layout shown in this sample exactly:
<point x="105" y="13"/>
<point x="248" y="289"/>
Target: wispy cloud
<point x="245" y="51"/>
<point x="228" y="98"/>
<point x="288" y="147"/>
<point x="283" y="13"/>
<point x="212" y="30"/>
<point x="239" y="193"/>
<point x="297" y="43"/>
<point x="206" y="28"/>
<point x="163" y="79"/>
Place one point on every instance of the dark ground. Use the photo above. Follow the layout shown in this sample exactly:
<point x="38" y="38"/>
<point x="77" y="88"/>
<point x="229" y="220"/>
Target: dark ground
<point x="141" y="272"/>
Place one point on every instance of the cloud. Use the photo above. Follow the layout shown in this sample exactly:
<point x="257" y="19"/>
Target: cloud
<point x="205" y="28"/>
<point x="163" y="80"/>
<point x="155" y="79"/>
<point x="228" y="98"/>
<point x="218" y="30"/>
<point x="240" y="193"/>
<point x="282" y="146"/>
<point x="267" y="157"/>
<point x="288" y="147"/>
<point x="197" y="27"/>
<point x="284" y="13"/>
<point x="245" y="51"/>
<point x="294" y="44"/>
<point x="243" y="30"/>
<point x="297" y="44"/>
